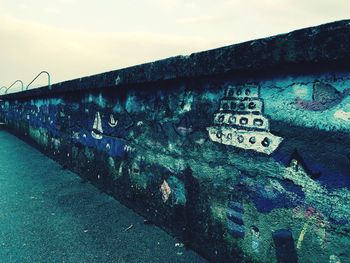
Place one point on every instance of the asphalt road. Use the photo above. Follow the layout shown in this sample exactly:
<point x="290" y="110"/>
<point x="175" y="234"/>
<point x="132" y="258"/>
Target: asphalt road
<point x="48" y="215"/>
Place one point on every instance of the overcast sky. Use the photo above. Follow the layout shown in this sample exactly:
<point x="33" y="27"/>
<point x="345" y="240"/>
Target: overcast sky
<point x="76" y="38"/>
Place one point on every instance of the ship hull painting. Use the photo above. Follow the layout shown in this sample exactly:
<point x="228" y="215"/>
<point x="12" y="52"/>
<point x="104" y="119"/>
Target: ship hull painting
<point x="262" y="141"/>
<point x="240" y="122"/>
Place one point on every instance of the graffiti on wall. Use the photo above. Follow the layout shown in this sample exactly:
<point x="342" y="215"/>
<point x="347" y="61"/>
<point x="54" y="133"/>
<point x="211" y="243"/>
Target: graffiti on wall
<point x="289" y="198"/>
<point x="324" y="96"/>
<point x="240" y="122"/>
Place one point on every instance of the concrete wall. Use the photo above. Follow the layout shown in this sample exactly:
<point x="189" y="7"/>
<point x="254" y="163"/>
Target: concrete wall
<point x="241" y="152"/>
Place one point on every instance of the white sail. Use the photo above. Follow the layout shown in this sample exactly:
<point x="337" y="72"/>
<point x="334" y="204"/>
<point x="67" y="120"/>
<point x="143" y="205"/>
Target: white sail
<point x="99" y="123"/>
<point x="97" y="130"/>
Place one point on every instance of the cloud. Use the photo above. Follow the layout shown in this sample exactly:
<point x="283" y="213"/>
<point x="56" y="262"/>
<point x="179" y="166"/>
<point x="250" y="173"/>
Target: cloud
<point x="166" y="4"/>
<point x="52" y="10"/>
<point x="23" y="6"/>
<point x="158" y="29"/>
<point x="68" y="1"/>
<point x="197" y="20"/>
<point x="29" y="48"/>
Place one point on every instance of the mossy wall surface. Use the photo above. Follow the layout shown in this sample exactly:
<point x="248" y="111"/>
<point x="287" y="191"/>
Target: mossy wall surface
<point x="178" y="152"/>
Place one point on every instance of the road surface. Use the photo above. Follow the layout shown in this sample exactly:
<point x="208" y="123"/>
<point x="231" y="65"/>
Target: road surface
<point x="48" y="215"/>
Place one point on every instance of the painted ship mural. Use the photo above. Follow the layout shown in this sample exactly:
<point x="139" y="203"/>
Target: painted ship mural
<point x="240" y="122"/>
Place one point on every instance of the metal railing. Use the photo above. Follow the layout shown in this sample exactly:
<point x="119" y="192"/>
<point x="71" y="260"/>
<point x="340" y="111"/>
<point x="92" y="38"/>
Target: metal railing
<point x="18" y="80"/>
<point x="3" y="87"/>
<point x="48" y="79"/>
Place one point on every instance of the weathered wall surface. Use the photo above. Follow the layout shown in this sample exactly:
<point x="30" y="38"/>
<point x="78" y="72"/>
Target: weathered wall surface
<point x="240" y="161"/>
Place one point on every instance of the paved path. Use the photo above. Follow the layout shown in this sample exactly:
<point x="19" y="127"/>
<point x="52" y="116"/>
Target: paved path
<point x="48" y="215"/>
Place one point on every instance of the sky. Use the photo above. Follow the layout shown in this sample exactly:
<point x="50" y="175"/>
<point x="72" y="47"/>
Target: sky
<point x="76" y="38"/>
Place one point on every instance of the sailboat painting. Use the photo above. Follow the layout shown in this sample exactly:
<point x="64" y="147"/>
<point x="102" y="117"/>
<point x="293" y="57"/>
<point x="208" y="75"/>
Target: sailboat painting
<point x="97" y="130"/>
<point x="112" y="122"/>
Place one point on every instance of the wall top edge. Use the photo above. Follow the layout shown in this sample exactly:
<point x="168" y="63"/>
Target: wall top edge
<point x="320" y="46"/>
